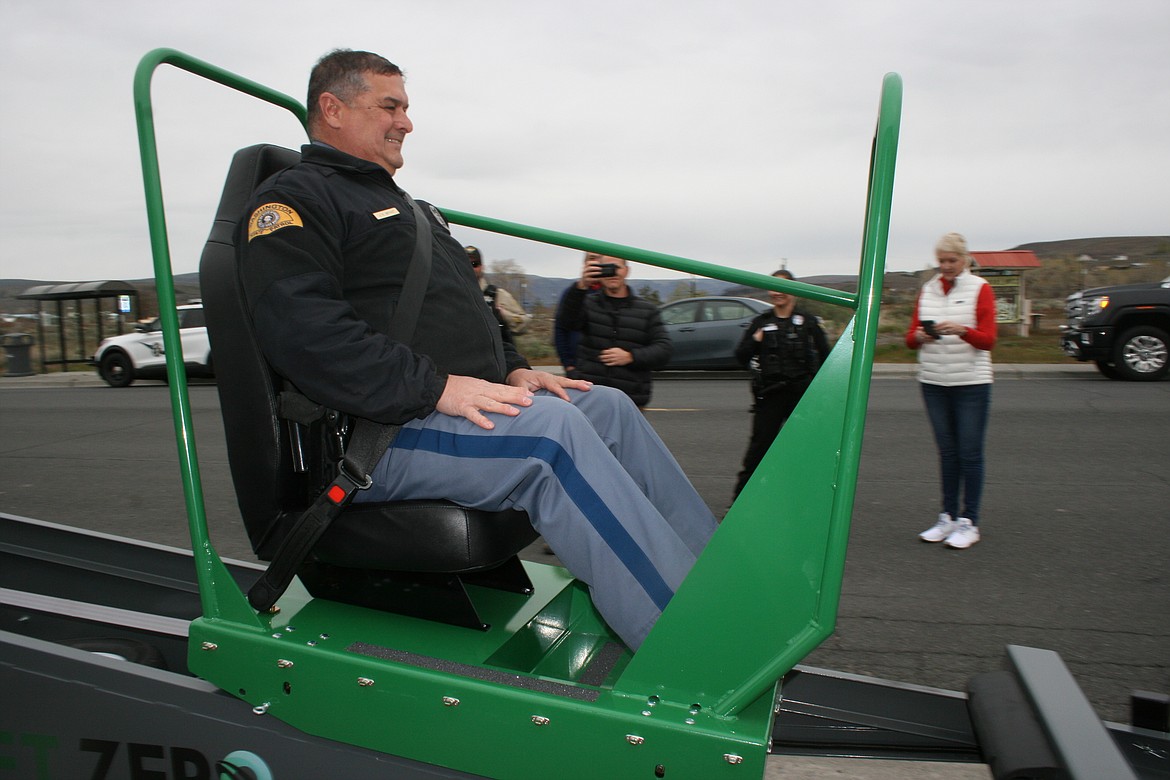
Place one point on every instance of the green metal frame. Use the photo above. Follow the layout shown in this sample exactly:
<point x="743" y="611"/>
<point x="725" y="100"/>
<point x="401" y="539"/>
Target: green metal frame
<point x="696" y="701"/>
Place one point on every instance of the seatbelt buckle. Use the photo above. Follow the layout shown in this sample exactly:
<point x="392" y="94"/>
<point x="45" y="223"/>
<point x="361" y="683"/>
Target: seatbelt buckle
<point x="340" y="492"/>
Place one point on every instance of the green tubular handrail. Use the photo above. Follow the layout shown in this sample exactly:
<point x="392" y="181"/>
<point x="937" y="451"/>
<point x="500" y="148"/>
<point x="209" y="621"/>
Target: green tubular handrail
<point x="673" y="262"/>
<point x="217" y="591"/>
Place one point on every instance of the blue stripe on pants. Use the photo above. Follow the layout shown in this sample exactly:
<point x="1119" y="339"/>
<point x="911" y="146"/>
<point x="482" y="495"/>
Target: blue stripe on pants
<point x="576" y="487"/>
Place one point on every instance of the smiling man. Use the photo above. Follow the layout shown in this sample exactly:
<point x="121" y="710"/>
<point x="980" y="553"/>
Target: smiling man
<point x="324" y="256"/>
<point x="365" y="113"/>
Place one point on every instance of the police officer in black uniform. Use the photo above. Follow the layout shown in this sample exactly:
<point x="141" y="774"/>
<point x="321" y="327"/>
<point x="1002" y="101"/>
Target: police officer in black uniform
<point x="783" y="348"/>
<point x="507" y="311"/>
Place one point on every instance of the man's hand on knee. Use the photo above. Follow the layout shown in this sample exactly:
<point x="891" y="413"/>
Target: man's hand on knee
<point x="466" y="396"/>
<point x="542" y="380"/>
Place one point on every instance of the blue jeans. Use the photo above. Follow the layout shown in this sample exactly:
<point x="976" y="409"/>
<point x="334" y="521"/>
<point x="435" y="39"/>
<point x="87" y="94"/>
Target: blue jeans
<point x="958" y="416"/>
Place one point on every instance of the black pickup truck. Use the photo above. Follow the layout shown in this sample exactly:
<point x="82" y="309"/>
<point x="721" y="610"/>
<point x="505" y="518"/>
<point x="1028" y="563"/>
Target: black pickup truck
<point x="1124" y="329"/>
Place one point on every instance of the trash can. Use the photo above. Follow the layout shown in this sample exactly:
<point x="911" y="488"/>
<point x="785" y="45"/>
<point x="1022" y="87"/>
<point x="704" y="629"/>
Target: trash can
<point x="18" y="349"/>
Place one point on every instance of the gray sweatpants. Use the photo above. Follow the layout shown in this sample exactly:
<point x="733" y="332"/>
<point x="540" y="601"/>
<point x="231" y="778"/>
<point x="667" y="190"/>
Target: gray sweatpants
<point x="595" y="479"/>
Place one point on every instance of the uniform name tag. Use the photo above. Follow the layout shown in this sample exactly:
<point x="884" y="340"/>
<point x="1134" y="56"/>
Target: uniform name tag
<point x="384" y="213"/>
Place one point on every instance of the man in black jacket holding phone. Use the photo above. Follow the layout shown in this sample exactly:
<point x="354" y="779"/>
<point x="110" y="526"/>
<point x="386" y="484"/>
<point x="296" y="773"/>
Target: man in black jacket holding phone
<point x="622" y="336"/>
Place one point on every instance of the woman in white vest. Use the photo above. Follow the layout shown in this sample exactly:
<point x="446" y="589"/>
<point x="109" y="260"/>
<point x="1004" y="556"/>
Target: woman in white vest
<point x="953" y="328"/>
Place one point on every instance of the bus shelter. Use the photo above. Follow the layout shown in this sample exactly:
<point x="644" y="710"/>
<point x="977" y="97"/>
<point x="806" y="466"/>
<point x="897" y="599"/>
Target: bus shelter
<point x="125" y="301"/>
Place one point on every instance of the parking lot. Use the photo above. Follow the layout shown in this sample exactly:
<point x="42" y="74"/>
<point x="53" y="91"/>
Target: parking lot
<point x="1073" y="556"/>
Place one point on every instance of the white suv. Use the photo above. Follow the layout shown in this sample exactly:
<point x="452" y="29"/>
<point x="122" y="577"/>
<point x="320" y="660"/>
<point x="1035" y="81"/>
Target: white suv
<point x="140" y="355"/>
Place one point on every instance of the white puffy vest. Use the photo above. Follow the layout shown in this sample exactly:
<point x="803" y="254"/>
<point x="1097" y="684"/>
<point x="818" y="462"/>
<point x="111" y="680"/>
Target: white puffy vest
<point x="951" y="361"/>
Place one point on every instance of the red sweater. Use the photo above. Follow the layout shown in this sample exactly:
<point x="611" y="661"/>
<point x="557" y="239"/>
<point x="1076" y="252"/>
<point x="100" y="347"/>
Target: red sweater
<point x="982" y="336"/>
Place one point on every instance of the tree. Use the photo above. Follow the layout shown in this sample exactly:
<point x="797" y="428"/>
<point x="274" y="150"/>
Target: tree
<point x="683" y="289"/>
<point x="650" y="294"/>
<point x="511" y="276"/>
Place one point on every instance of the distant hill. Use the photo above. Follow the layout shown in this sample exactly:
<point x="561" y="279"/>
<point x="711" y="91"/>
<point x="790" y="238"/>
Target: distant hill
<point x="540" y="290"/>
<point x="1139" y="248"/>
<point x="547" y="291"/>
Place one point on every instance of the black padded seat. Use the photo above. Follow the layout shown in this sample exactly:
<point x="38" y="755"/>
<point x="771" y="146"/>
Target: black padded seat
<point x="370" y="545"/>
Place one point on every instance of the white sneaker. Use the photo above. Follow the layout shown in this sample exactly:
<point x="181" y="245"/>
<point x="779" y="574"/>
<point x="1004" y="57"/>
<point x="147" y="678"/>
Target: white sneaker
<point x="964" y="535"/>
<point x="940" y="530"/>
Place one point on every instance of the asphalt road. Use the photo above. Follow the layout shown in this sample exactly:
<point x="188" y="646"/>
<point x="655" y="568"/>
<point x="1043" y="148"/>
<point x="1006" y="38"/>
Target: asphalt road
<point x="1073" y="558"/>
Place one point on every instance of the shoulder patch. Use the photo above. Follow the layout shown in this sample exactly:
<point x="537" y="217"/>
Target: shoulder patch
<point x="439" y="216"/>
<point x="272" y="217"/>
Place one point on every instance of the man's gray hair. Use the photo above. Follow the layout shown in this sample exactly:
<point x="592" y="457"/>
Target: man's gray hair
<point x="342" y="72"/>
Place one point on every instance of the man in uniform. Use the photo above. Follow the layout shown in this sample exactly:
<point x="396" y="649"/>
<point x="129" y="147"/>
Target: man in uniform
<point x="324" y="256"/>
<point x="510" y="314"/>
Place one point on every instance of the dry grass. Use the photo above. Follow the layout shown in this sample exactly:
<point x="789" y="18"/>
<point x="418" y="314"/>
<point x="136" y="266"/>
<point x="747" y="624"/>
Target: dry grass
<point x="1042" y="347"/>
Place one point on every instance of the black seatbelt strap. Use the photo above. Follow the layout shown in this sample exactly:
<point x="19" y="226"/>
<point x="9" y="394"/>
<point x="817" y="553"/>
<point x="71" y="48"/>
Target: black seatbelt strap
<point x="367" y="444"/>
<point x="414" y="286"/>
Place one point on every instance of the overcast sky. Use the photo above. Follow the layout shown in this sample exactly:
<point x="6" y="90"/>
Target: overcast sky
<point x="729" y="132"/>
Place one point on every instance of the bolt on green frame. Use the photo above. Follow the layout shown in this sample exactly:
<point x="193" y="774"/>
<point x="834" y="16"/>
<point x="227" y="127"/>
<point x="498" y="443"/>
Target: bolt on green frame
<point x="695" y="701"/>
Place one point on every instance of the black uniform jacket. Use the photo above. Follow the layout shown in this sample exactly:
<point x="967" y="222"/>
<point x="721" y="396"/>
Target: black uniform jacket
<point x="324" y="251"/>
<point x="811" y="341"/>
